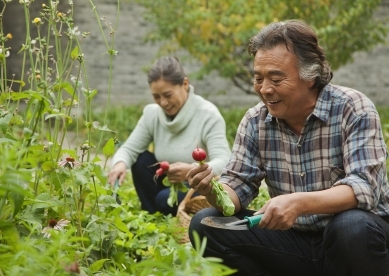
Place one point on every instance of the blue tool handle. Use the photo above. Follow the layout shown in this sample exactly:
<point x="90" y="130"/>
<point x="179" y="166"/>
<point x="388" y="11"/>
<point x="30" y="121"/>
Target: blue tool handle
<point x="253" y="220"/>
<point x="115" y="188"/>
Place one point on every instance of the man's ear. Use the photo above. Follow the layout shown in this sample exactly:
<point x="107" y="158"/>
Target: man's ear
<point x="311" y="83"/>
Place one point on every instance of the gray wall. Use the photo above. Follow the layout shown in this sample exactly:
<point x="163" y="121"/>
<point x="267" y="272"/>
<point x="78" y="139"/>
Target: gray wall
<point x="369" y="72"/>
<point x="129" y="78"/>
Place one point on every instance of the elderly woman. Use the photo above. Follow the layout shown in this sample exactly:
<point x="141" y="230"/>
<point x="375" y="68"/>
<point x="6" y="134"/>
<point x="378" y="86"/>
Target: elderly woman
<point x="176" y="124"/>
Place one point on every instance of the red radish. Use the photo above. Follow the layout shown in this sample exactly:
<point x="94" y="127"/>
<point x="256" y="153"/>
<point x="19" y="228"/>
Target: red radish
<point x="164" y="165"/>
<point x="199" y="154"/>
<point x="159" y="172"/>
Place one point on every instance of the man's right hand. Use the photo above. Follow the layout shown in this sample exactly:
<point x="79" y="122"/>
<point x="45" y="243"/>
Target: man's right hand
<point x="199" y="179"/>
<point x="117" y="172"/>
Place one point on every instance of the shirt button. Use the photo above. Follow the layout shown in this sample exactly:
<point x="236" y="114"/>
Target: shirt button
<point x="302" y="174"/>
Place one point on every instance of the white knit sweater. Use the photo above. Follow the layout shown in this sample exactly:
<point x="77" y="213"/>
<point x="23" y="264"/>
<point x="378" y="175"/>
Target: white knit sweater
<point x="199" y="122"/>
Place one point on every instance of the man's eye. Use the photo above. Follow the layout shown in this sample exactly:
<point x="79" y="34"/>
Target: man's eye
<point x="275" y="82"/>
<point x="257" y="80"/>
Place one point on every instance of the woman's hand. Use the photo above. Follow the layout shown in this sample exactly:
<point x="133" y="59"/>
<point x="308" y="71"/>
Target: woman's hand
<point x="177" y="172"/>
<point x="117" y="172"/>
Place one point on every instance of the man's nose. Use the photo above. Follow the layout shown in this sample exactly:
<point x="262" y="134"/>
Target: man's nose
<point x="266" y="87"/>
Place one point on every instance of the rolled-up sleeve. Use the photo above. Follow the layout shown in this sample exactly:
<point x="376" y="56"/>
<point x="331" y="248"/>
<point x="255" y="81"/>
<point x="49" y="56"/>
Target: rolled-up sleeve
<point x="365" y="157"/>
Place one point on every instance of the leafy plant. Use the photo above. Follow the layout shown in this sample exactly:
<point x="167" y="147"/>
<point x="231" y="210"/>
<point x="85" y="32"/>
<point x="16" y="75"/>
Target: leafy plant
<point x="57" y="212"/>
<point x="216" y="33"/>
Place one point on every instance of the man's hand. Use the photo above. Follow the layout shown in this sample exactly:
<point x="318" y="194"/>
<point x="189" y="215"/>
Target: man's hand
<point x="199" y="179"/>
<point x="280" y="213"/>
<point x="117" y="172"/>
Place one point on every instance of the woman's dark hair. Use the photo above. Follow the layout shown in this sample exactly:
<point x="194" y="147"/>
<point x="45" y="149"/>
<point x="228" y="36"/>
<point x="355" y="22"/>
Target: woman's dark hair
<point x="167" y="68"/>
<point x="300" y="39"/>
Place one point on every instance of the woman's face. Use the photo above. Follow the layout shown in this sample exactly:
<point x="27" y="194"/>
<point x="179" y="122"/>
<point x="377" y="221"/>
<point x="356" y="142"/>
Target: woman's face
<point x="169" y="96"/>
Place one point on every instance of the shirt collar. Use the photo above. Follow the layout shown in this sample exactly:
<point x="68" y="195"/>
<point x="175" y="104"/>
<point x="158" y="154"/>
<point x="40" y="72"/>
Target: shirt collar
<point x="323" y="104"/>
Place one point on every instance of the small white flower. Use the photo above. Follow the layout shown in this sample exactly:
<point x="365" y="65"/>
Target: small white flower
<point x="33" y="41"/>
<point x="69" y="162"/>
<point x="74" y="31"/>
<point x="54" y="225"/>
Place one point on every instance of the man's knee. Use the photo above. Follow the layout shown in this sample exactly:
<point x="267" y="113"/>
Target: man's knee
<point x="351" y="229"/>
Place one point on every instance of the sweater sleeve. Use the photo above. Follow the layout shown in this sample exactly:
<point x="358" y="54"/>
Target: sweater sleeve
<point x="138" y="141"/>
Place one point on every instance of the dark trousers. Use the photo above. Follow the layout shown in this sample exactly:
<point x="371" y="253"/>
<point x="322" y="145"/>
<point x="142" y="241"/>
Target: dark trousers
<point x="153" y="194"/>
<point x="354" y="243"/>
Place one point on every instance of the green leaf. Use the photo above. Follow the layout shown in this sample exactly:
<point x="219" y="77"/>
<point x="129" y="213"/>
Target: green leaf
<point x="65" y="86"/>
<point x="104" y="128"/>
<point x="89" y="94"/>
<point x="48" y="166"/>
<point x="6" y="140"/>
<point x="10" y="234"/>
<point x="96" y="266"/>
<point x="75" y="53"/>
<point x="120" y="225"/>
<point x="59" y="115"/>
<point x="17" y="202"/>
<point x="109" y="148"/>
<point x="223" y="199"/>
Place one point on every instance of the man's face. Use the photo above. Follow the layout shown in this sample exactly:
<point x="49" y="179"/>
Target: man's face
<point x="277" y="82"/>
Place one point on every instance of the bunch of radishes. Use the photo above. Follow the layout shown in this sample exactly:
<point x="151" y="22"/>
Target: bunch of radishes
<point x="174" y="188"/>
<point x="163" y="168"/>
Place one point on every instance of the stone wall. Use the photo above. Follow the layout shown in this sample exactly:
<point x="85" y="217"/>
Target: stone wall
<point x="129" y="84"/>
<point x="369" y="72"/>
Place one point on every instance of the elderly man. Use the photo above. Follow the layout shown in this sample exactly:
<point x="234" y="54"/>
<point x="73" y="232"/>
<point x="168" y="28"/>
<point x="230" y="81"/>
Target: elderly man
<point x="321" y="151"/>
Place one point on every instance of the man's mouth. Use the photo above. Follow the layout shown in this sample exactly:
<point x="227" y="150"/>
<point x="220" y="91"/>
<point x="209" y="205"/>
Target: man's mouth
<point x="273" y="102"/>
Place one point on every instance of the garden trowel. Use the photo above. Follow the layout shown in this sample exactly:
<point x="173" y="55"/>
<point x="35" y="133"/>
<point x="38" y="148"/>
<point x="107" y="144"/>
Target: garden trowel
<point x="115" y="192"/>
<point x="232" y="223"/>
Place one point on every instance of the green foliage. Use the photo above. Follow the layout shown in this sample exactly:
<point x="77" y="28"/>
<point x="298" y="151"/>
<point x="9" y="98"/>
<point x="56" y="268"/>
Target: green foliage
<point x="223" y="199"/>
<point x="58" y="215"/>
<point x="216" y="32"/>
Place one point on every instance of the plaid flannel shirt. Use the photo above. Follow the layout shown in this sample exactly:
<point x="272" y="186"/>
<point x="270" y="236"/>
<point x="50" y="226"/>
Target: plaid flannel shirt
<point x="341" y="143"/>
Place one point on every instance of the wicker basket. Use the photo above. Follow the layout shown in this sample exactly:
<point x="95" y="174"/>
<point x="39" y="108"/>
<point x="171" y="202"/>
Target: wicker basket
<point x="189" y="206"/>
